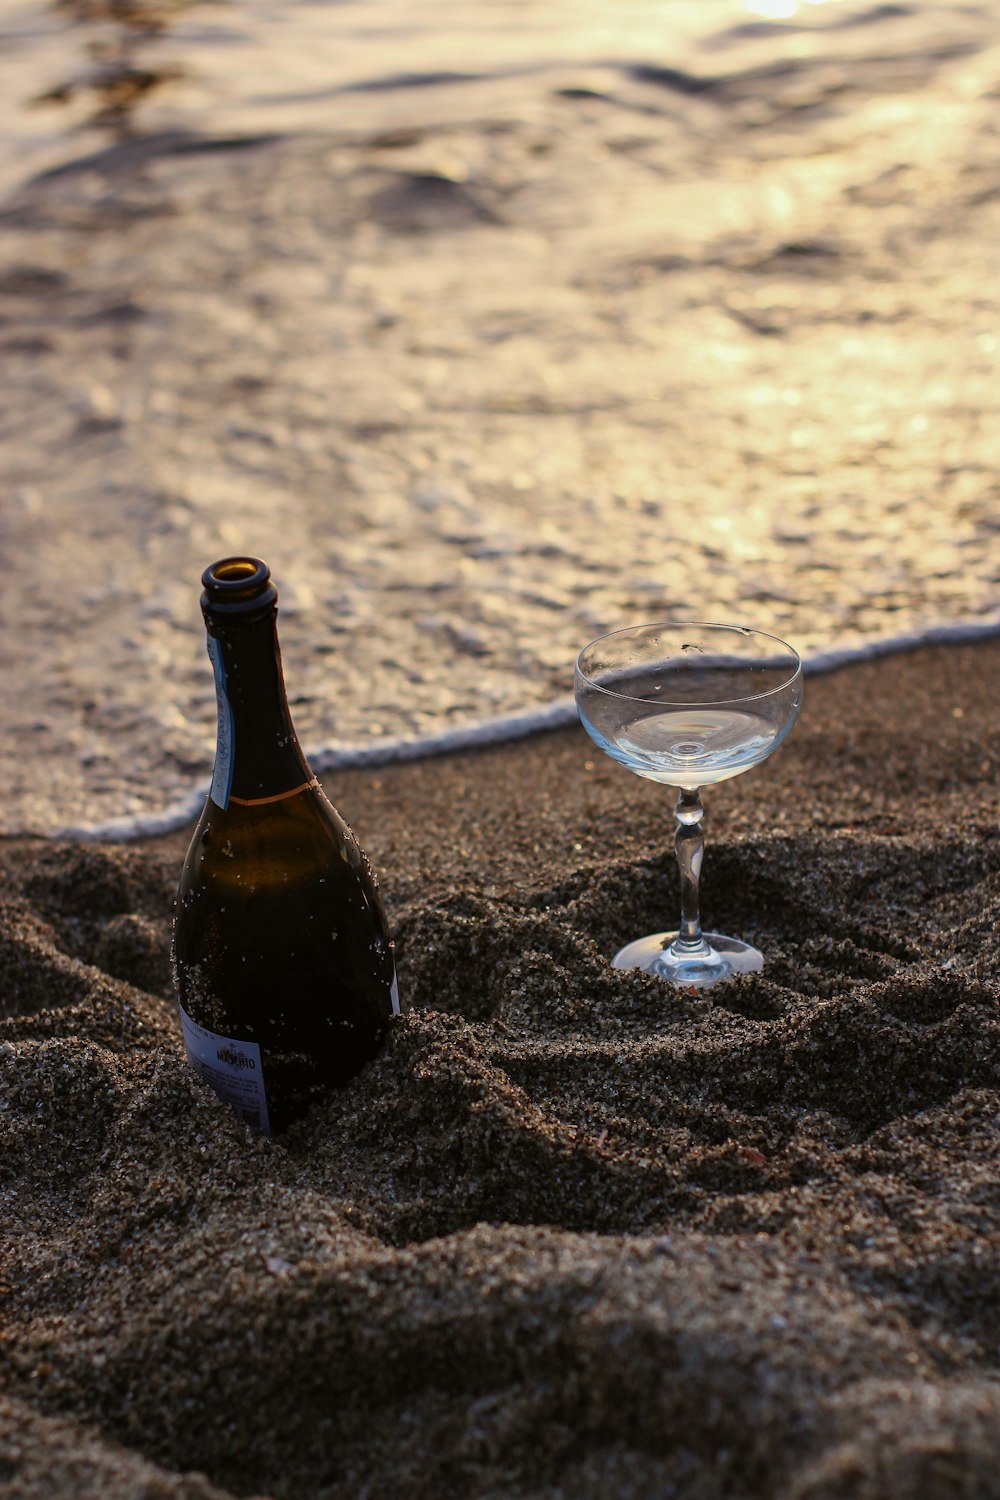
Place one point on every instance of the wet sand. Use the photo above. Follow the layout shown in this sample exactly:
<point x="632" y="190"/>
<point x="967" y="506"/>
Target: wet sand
<point x="572" y="1234"/>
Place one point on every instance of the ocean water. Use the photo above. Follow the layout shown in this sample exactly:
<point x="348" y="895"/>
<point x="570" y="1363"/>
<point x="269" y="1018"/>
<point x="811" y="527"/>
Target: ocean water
<point x="492" y="327"/>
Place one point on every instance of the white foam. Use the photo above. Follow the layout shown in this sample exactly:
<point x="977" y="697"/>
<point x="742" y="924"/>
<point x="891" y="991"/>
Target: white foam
<point x="954" y="633"/>
<point x="501" y="729"/>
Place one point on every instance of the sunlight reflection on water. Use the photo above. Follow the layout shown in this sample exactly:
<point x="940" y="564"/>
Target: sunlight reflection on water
<point x="603" y="330"/>
<point x="779" y="10"/>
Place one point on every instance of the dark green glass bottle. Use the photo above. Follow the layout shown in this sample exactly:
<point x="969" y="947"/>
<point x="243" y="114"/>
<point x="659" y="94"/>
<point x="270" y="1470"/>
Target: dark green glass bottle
<point x="282" y="957"/>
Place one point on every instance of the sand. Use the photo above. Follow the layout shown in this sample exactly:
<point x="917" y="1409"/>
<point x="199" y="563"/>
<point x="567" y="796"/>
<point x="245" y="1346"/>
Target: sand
<point x="573" y="1234"/>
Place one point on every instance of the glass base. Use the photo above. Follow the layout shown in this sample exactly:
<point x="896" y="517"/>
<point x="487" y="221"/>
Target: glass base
<point x="717" y="958"/>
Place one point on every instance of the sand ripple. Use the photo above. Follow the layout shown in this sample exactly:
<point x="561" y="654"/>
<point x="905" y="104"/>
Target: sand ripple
<point x="569" y="1235"/>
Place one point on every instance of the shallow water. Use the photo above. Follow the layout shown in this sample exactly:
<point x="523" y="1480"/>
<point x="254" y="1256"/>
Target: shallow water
<point x="491" y="327"/>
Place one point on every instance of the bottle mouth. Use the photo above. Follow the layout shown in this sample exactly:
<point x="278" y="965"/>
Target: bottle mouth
<point x="237" y="585"/>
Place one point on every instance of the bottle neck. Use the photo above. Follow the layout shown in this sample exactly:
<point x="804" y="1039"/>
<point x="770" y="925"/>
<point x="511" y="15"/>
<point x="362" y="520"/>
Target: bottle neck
<point x="258" y="756"/>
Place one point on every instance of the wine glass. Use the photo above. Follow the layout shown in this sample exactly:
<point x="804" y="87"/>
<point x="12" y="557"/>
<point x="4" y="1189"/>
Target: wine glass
<point x="688" y="705"/>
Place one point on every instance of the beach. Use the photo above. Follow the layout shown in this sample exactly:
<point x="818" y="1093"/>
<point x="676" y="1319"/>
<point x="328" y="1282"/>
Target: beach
<point x="573" y="1233"/>
<point x="491" y="336"/>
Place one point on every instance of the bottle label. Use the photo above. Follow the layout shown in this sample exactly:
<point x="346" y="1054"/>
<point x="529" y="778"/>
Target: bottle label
<point x="222" y="777"/>
<point x="232" y="1068"/>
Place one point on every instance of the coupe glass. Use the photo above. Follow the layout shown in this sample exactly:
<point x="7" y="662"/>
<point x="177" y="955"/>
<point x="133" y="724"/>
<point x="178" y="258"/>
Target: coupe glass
<point x="688" y="705"/>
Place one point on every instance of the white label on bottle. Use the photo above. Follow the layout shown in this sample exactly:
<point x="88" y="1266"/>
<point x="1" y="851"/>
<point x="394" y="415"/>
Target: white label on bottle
<point x="394" y="993"/>
<point x="232" y="1068"/>
<point x="222" y="777"/>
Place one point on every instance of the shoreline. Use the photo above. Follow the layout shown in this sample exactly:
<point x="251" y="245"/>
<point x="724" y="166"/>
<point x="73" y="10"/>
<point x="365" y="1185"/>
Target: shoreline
<point x="501" y="730"/>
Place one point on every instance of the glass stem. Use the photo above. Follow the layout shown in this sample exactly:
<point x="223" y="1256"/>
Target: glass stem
<point x="689" y="843"/>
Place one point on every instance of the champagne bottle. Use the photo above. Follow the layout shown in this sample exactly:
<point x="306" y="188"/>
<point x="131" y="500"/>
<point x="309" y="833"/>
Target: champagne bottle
<point x="282" y="959"/>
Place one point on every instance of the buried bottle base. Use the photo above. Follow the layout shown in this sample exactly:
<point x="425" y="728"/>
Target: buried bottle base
<point x="713" y="960"/>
